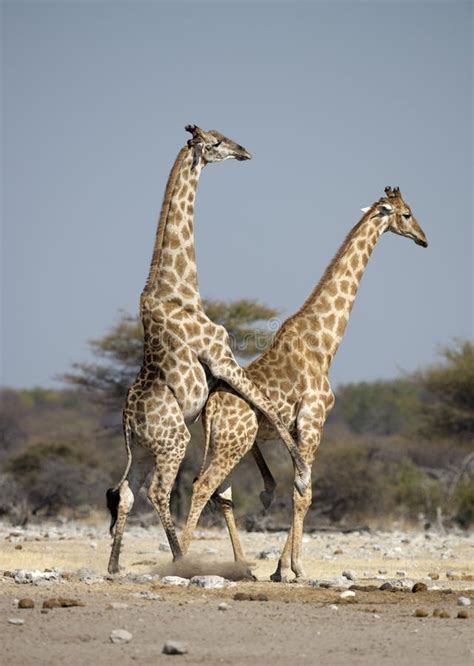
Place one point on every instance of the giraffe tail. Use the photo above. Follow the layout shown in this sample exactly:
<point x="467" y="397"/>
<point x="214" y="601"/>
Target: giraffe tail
<point x="113" y="494"/>
<point x="206" y="417"/>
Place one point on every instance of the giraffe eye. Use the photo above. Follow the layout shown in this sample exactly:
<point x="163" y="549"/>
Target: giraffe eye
<point x="407" y="216"/>
<point x="216" y="145"/>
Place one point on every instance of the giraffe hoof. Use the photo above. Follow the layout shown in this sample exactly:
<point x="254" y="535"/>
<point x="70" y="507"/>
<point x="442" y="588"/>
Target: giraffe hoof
<point x="113" y="568"/>
<point x="266" y="498"/>
<point x="280" y="578"/>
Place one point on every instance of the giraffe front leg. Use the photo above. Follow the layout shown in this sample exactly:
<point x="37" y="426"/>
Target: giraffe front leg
<point x="310" y="421"/>
<point x="301" y="505"/>
<point x="266" y="496"/>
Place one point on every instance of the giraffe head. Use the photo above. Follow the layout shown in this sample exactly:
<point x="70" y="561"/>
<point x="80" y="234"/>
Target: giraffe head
<point x="398" y="216"/>
<point x="212" y="146"/>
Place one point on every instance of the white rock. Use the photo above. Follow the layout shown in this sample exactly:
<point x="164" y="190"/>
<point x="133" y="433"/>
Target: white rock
<point x="464" y="601"/>
<point x="210" y="582"/>
<point x="174" y="647"/>
<point x="350" y="574"/>
<point x="164" y="548"/>
<point x="383" y="572"/>
<point x="175" y="580"/>
<point x="120" y="636"/>
<point x="333" y="607"/>
<point x="223" y="606"/>
<point x="401" y="574"/>
<point x="33" y="576"/>
<point x="347" y="594"/>
<point x="15" y="620"/>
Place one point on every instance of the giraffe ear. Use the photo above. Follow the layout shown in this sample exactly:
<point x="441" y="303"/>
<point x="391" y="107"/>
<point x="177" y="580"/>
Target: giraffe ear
<point x="385" y="209"/>
<point x="366" y="209"/>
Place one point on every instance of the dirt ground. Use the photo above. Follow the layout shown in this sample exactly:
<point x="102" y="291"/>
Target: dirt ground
<point x="299" y="623"/>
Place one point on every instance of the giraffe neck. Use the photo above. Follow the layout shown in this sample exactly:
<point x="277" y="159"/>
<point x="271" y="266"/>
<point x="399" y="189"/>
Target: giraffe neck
<point x="322" y="319"/>
<point x="173" y="273"/>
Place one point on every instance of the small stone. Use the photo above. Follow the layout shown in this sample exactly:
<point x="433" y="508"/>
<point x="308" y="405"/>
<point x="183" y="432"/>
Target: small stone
<point x="149" y="596"/>
<point x="174" y="647"/>
<point x="433" y="575"/>
<point x="18" y="546"/>
<point x="120" y="636"/>
<point x="268" y="555"/>
<point x="364" y="588"/>
<point x="209" y="582"/>
<point x="44" y="611"/>
<point x="164" y="547"/>
<point x="386" y="587"/>
<point x="26" y="603"/>
<point x="421" y="612"/>
<point x="463" y="614"/>
<point x="401" y="574"/>
<point x="383" y="572"/>
<point x="464" y="601"/>
<point x="350" y="574"/>
<point x="444" y="614"/>
<point x="333" y="607"/>
<point x="116" y="605"/>
<point x="377" y="617"/>
<point x="259" y="597"/>
<point x="15" y="620"/>
<point x="452" y="575"/>
<point x="175" y="580"/>
<point x="223" y="606"/>
<point x="436" y="612"/>
<point x="347" y="594"/>
<point x="338" y="551"/>
<point x="241" y="596"/>
<point x="419" y="587"/>
<point x="62" y="602"/>
<point x="8" y="574"/>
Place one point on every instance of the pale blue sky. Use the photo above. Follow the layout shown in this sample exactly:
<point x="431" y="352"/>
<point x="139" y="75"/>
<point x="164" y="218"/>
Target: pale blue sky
<point x="334" y="100"/>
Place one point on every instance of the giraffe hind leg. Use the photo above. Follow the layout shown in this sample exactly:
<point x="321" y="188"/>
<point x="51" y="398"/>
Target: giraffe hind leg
<point x="120" y="502"/>
<point x="168" y="458"/>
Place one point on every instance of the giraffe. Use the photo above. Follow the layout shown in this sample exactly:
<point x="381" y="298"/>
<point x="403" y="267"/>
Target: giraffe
<point x="184" y="352"/>
<point x="293" y="372"/>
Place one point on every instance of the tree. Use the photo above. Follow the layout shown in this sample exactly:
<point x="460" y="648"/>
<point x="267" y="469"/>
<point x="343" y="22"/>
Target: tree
<point x="120" y="351"/>
<point x="379" y="408"/>
<point x="449" y="389"/>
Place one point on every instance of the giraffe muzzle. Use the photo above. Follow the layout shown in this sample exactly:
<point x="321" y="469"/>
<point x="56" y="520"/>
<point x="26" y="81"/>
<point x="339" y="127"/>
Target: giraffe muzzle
<point x="243" y="155"/>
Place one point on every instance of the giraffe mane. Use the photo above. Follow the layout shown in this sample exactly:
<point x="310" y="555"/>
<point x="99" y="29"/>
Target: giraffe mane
<point x="326" y="275"/>
<point x="165" y="207"/>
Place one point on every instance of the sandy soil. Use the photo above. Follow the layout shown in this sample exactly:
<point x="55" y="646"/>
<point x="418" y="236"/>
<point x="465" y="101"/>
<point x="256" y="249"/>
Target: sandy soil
<point x="297" y="622"/>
